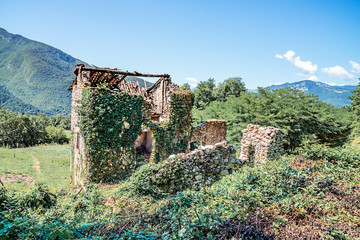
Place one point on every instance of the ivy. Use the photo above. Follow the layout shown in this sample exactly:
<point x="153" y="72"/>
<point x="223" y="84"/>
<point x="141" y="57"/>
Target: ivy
<point x="110" y="123"/>
<point x="173" y="137"/>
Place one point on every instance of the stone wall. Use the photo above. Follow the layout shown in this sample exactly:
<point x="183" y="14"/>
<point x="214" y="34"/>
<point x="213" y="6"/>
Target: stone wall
<point x="260" y="144"/>
<point x="196" y="169"/>
<point x="210" y="132"/>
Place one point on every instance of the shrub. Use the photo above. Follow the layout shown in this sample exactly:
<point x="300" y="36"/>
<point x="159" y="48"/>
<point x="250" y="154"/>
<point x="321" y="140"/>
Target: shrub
<point x="56" y="135"/>
<point x="38" y="196"/>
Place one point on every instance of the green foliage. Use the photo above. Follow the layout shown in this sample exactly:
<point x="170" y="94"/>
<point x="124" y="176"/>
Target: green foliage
<point x="296" y="113"/>
<point x="204" y="93"/>
<point x="18" y="130"/>
<point x="186" y="86"/>
<point x="56" y="134"/>
<point x="173" y="137"/>
<point x="355" y="100"/>
<point x="38" y="196"/>
<point x="230" y="87"/>
<point x="110" y="123"/>
<point x="344" y="156"/>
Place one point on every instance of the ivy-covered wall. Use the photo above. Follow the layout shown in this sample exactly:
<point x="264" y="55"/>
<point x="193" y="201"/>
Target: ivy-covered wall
<point x="173" y="136"/>
<point x="110" y="123"/>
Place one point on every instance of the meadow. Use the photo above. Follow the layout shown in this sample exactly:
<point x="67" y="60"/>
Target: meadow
<point x="21" y="167"/>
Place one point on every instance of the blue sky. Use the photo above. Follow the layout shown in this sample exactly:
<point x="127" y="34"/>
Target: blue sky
<point x="264" y="42"/>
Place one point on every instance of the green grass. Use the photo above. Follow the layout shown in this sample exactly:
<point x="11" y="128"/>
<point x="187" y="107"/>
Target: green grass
<point x="53" y="163"/>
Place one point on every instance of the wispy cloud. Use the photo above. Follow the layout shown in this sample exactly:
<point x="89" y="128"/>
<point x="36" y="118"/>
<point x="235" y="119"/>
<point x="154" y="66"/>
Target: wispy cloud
<point x="355" y="66"/>
<point x="338" y="72"/>
<point x="308" y="68"/>
<point x="334" y="84"/>
<point x="191" y="79"/>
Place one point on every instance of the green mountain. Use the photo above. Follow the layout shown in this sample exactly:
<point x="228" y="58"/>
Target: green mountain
<point x="34" y="77"/>
<point x="35" y="74"/>
<point x="335" y="95"/>
<point x="9" y="101"/>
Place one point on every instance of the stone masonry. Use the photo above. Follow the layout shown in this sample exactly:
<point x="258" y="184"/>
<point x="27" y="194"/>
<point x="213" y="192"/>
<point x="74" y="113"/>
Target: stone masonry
<point x="260" y="144"/>
<point x="210" y="132"/>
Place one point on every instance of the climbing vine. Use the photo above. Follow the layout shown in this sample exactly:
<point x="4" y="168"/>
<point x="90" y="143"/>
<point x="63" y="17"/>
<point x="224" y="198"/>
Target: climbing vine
<point x="110" y="123"/>
<point x="172" y="137"/>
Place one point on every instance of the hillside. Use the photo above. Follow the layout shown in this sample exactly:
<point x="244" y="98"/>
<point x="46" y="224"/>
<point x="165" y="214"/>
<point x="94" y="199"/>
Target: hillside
<point x="9" y="101"/>
<point x="35" y="73"/>
<point x="335" y="95"/>
<point x="34" y="77"/>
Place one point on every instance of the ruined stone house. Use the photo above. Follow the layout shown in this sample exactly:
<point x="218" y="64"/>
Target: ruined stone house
<point x="157" y="95"/>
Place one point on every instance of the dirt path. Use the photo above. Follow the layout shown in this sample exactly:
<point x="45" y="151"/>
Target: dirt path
<point x="36" y="164"/>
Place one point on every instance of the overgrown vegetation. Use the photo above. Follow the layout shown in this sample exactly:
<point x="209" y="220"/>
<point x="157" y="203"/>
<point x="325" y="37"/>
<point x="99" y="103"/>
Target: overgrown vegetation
<point x="110" y="123"/>
<point x="173" y="136"/>
<point x="18" y="130"/>
<point x="299" y="115"/>
<point x="291" y="198"/>
<point x="313" y="192"/>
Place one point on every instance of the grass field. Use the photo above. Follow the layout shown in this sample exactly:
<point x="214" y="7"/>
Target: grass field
<point x="21" y="167"/>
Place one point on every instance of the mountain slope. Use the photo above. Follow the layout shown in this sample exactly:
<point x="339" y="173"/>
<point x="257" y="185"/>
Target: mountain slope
<point x="34" y="77"/>
<point x="14" y="104"/>
<point x="35" y="73"/>
<point x="335" y="95"/>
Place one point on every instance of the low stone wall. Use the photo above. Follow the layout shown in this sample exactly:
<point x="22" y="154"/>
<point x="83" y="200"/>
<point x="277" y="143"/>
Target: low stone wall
<point x="196" y="169"/>
<point x="260" y="144"/>
<point x="210" y="132"/>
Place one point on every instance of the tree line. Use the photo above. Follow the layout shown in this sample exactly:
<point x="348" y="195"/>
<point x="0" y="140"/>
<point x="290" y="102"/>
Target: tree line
<point x="299" y="115"/>
<point x="17" y="130"/>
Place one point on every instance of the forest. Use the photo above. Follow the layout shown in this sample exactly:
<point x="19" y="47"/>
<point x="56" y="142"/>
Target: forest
<point x="312" y="192"/>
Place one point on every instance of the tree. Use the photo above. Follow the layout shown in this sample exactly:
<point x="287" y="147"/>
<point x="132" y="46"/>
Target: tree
<point x="230" y="87"/>
<point x="186" y="86"/>
<point x="355" y="100"/>
<point x="204" y="93"/>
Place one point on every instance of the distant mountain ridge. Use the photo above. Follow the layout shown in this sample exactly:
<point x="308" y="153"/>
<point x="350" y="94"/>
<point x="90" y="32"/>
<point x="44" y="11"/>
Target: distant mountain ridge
<point x="34" y="77"/>
<point x="335" y="95"/>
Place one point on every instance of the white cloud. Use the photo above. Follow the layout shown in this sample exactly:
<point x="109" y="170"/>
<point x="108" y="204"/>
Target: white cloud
<point x="334" y="84"/>
<point x="191" y="79"/>
<point x="193" y="85"/>
<point x="308" y="69"/>
<point x="313" y="78"/>
<point x="280" y="83"/>
<point x="338" y="72"/>
<point x="355" y="66"/>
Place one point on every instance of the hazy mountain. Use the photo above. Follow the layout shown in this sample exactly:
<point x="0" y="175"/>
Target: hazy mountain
<point x="336" y="95"/>
<point x="35" y="77"/>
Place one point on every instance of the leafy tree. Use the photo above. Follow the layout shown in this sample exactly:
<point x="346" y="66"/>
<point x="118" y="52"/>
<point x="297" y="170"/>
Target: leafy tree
<point x="296" y="113"/>
<point x="230" y="87"/>
<point x="204" y="93"/>
<point x="355" y="98"/>
<point x="186" y="86"/>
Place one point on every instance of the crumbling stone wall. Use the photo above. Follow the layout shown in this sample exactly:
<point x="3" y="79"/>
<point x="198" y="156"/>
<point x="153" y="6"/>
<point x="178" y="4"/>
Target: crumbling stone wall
<point x="159" y="108"/>
<point x="196" y="169"/>
<point x="260" y="144"/>
<point x="210" y="132"/>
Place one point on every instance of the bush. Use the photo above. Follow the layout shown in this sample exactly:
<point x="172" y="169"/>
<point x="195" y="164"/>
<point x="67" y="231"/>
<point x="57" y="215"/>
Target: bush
<point x="346" y="156"/>
<point x="38" y="196"/>
<point x="56" y="135"/>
